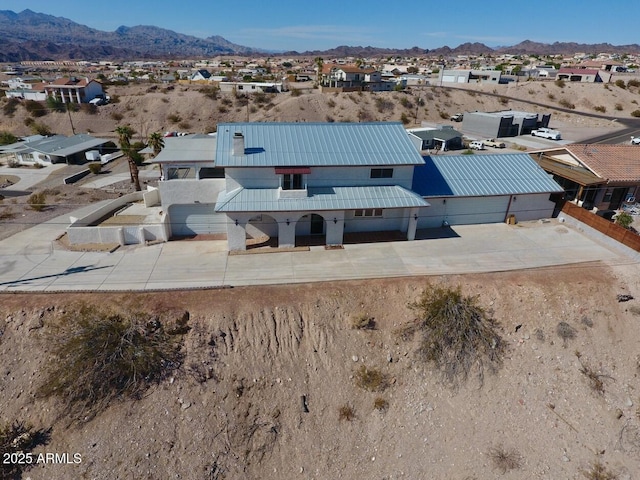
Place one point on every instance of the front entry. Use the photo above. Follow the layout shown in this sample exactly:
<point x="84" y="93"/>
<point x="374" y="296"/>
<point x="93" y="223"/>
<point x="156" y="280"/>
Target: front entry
<point x="317" y="224"/>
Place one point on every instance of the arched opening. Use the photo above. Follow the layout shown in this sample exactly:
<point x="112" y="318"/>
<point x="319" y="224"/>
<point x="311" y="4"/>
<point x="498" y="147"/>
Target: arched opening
<point x="311" y="230"/>
<point x="262" y="231"/>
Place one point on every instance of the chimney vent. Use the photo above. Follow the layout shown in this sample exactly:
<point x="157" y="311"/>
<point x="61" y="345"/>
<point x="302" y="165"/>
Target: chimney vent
<point x="238" y="144"/>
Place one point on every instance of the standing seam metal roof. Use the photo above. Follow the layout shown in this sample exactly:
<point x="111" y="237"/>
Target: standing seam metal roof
<point x="316" y="144"/>
<point x="482" y="175"/>
<point x="323" y="198"/>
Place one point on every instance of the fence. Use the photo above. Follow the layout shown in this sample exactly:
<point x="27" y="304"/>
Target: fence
<point x="610" y="229"/>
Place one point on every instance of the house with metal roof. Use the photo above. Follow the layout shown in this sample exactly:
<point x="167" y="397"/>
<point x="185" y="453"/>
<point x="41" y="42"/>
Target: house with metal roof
<point x="54" y="149"/>
<point x="597" y="176"/>
<point x="473" y="189"/>
<point x="290" y="180"/>
<point x="442" y="137"/>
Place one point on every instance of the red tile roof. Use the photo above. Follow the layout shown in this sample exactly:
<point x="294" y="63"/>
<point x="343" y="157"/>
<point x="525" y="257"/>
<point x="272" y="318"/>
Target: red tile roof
<point x="615" y="163"/>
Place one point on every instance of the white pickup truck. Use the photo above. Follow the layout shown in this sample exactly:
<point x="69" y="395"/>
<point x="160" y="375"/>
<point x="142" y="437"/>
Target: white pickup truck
<point x="546" y="133"/>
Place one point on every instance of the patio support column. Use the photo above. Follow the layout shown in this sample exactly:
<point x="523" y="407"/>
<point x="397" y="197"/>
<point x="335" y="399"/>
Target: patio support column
<point x="286" y="230"/>
<point x="413" y="224"/>
<point x="78" y="96"/>
<point x="334" y="222"/>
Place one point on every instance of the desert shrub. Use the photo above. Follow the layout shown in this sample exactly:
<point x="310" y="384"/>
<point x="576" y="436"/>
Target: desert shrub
<point x="539" y="334"/>
<point x="593" y="377"/>
<point x="346" y="412"/>
<point x="101" y="355"/>
<point x="10" y="107"/>
<point x="635" y="113"/>
<point x="381" y="404"/>
<point x="114" y="99"/>
<point x="560" y="83"/>
<point x="444" y="115"/>
<point x="362" y="321"/>
<point x="174" y="118"/>
<point x="6" y="213"/>
<point x="55" y="105"/>
<point x="13" y="163"/>
<point x="405" y="119"/>
<point x="551" y="96"/>
<point x="37" y="166"/>
<point x="634" y="82"/>
<point x="566" y="103"/>
<point x="503" y="100"/>
<point x="95" y="167"/>
<point x="600" y="108"/>
<point x="504" y="459"/>
<point x="371" y="379"/>
<point x="383" y="105"/>
<point x="37" y="201"/>
<point x="618" y="107"/>
<point x="329" y="119"/>
<point x="620" y="83"/>
<point x="184" y="125"/>
<point x="586" y="321"/>
<point x="222" y="109"/>
<point x="597" y="471"/>
<point x="40" y="129"/>
<point x="468" y="151"/>
<point x="117" y="116"/>
<point x="295" y="92"/>
<point x="7" y="138"/>
<point x="458" y="334"/>
<point x="406" y="103"/>
<point x="566" y="332"/>
<point x="88" y="108"/>
<point x="19" y="438"/>
<point x="242" y="100"/>
<point x="28" y="121"/>
<point x="36" y="109"/>
<point x="210" y="92"/>
<point x="226" y="101"/>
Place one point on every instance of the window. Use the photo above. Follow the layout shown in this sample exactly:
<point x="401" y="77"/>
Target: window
<point x="175" y="173"/>
<point x="368" y="212"/>
<point x="292" y="181"/>
<point x="381" y="172"/>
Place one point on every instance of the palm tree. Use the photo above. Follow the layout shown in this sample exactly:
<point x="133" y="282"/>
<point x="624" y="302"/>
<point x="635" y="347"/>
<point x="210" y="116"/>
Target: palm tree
<point x="156" y="142"/>
<point x="125" y="132"/>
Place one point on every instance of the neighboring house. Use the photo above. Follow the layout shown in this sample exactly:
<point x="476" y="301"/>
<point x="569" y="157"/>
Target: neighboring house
<point x="190" y="184"/>
<point x="54" y="149"/>
<point x="597" y="176"/>
<point x="287" y="180"/>
<point x="583" y="75"/>
<point x="351" y="78"/>
<point x="253" y="87"/>
<point x="200" y="76"/>
<point x="474" y="189"/>
<point x="443" y="137"/>
<point x="505" y="123"/>
<point x="469" y="76"/>
<point x="74" y="90"/>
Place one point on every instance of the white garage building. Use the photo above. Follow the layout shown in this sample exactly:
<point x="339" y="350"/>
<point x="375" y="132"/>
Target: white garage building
<point x="475" y="189"/>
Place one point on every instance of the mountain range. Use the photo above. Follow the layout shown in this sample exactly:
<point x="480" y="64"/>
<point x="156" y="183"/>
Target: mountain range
<point x="37" y="36"/>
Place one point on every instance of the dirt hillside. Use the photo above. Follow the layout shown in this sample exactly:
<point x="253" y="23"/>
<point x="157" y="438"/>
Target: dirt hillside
<point x="269" y="372"/>
<point x="192" y="108"/>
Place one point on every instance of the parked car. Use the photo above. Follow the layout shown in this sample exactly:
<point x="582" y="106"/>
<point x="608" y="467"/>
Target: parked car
<point x="635" y="140"/>
<point x="476" y="145"/>
<point x="492" y="142"/>
<point x="458" y="117"/>
<point x="546" y="133"/>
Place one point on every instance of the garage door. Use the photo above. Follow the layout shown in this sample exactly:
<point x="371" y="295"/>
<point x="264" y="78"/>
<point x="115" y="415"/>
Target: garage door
<point x="464" y="211"/>
<point x="187" y="220"/>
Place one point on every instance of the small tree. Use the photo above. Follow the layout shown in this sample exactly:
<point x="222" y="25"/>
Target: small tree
<point x="624" y="220"/>
<point x="7" y="138"/>
<point x="125" y="132"/>
<point x="156" y="142"/>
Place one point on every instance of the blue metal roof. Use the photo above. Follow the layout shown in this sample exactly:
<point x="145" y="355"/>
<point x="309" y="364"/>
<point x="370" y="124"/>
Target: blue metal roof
<point x="323" y="198"/>
<point x="481" y="175"/>
<point x="316" y="144"/>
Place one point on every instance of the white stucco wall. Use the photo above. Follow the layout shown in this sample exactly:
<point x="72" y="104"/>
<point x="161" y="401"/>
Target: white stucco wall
<point x="183" y="192"/>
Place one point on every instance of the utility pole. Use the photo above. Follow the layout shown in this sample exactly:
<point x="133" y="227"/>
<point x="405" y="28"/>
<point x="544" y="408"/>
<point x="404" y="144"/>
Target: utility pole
<point x="73" y="130"/>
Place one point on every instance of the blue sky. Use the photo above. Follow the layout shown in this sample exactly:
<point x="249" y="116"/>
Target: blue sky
<point x="323" y="24"/>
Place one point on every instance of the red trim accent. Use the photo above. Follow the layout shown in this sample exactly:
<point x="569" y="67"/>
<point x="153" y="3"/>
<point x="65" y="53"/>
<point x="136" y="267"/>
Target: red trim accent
<point x="288" y="170"/>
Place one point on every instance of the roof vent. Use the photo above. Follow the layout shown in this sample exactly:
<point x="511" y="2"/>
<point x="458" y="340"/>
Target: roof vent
<point x="238" y="144"/>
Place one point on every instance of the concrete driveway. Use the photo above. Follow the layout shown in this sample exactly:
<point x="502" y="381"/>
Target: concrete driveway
<point x="29" y="260"/>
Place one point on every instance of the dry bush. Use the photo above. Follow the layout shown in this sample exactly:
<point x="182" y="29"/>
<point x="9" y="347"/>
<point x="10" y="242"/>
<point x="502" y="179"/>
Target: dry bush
<point x="381" y="404"/>
<point x="594" y="378"/>
<point x="371" y="379"/>
<point x="383" y="105"/>
<point x="586" y="321"/>
<point x="566" y="104"/>
<point x="458" y="335"/>
<point x="566" y="332"/>
<point x="37" y="201"/>
<point x="598" y="471"/>
<point x="101" y="355"/>
<point x="19" y="438"/>
<point x="362" y="321"/>
<point x="346" y="412"/>
<point x="504" y="459"/>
